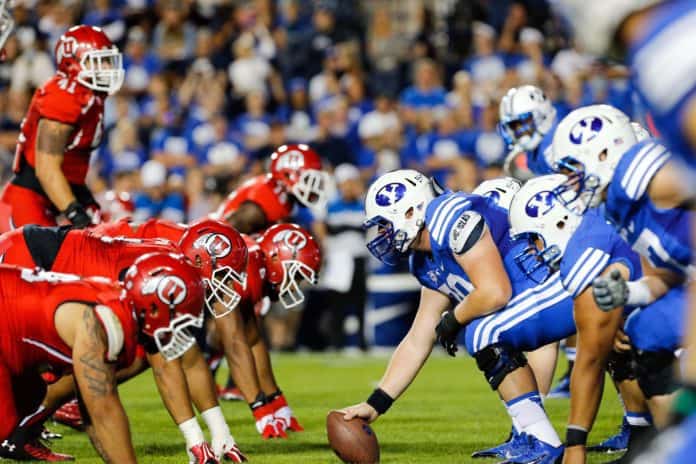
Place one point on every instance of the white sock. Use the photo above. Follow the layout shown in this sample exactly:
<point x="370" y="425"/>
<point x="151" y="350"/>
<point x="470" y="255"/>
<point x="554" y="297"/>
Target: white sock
<point x="531" y="418"/>
<point x="219" y="431"/>
<point x="570" y="353"/>
<point x="192" y="432"/>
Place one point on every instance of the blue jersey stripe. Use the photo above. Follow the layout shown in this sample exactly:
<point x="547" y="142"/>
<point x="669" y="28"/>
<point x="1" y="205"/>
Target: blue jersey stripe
<point x="455" y="210"/>
<point x="638" y="172"/>
<point x="438" y="217"/>
<point x="588" y="271"/>
<point x="634" y="171"/>
<point x="596" y="270"/>
<point x="578" y="264"/>
<point x="650" y="173"/>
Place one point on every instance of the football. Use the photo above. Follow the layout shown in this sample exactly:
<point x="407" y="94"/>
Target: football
<point x="353" y="441"/>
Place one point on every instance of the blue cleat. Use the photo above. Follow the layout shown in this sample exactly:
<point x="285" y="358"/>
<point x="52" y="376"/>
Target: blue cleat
<point x="537" y="452"/>
<point x="562" y="388"/>
<point x="498" y="451"/>
<point x="614" y="444"/>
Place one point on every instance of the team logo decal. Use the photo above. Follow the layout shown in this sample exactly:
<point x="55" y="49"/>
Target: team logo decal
<point x="291" y="160"/>
<point x="540" y="204"/>
<point x="292" y="239"/>
<point x="494" y="195"/>
<point x="66" y="48"/>
<point x="171" y="290"/>
<point x="217" y="245"/>
<point x="390" y="194"/>
<point x="585" y="130"/>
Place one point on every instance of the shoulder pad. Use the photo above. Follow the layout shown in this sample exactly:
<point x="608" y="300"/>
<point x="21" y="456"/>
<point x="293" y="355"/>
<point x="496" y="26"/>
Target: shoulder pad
<point x="466" y="232"/>
<point x="113" y="330"/>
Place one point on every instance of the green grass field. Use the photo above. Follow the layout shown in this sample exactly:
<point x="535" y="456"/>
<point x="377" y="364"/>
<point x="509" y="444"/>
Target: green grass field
<point x="447" y="413"/>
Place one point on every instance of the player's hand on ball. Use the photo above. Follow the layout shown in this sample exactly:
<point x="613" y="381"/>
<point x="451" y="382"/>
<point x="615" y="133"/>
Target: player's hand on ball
<point x="267" y="424"/>
<point x="447" y="330"/>
<point x="362" y="410"/>
<point x="610" y="292"/>
<point x="282" y="411"/>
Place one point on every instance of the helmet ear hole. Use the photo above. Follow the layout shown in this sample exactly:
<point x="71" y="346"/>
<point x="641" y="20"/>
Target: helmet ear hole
<point x="603" y="155"/>
<point x="561" y="224"/>
<point x="409" y="213"/>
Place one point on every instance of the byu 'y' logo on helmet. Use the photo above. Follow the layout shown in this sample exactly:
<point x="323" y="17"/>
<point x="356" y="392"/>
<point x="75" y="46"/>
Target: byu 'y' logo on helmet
<point x="390" y="194"/>
<point x="585" y="130"/>
<point x="539" y="204"/>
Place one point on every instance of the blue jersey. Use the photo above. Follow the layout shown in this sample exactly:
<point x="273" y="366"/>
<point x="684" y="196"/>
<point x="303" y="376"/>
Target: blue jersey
<point x="595" y="244"/>
<point x="661" y="236"/>
<point x="449" y="219"/>
<point x="664" y="70"/>
<point x="536" y="159"/>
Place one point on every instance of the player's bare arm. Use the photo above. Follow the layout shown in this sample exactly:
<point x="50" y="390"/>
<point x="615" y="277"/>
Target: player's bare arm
<point x="673" y="187"/>
<point x="200" y="382"/>
<point x="51" y="140"/>
<point x="596" y="332"/>
<point x="410" y="355"/>
<point x="172" y="387"/>
<point x="248" y="218"/>
<point x="107" y="426"/>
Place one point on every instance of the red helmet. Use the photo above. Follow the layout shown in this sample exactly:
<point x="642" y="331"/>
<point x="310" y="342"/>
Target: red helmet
<point x="298" y="167"/>
<point x="116" y="206"/>
<point x="167" y="293"/>
<point x="221" y="254"/>
<point x="86" y="54"/>
<point x="292" y="255"/>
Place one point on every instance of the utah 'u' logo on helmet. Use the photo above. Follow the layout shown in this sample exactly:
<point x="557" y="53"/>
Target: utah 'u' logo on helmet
<point x="390" y="194"/>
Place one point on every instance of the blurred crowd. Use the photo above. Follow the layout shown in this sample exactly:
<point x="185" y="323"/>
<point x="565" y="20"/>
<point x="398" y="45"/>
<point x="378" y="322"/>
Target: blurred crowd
<point x="212" y="86"/>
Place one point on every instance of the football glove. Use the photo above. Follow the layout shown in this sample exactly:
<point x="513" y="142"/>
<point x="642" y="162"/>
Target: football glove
<point x="282" y="411"/>
<point x="267" y="424"/>
<point x="77" y="215"/>
<point x="447" y="330"/>
<point x="610" y="292"/>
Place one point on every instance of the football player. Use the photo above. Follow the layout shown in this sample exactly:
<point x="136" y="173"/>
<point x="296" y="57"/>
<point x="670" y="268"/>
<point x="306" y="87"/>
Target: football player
<point x="282" y="258"/>
<point x="295" y="177"/>
<point x="59" y="323"/>
<point x="598" y="144"/>
<point x="527" y="123"/>
<point x="460" y="251"/>
<point x="226" y="285"/>
<point x="64" y="124"/>
<point x="81" y="252"/>
<point x="580" y="248"/>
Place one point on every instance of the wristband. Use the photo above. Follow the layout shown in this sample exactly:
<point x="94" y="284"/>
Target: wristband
<point x="639" y="293"/>
<point x="259" y="401"/>
<point x="380" y="400"/>
<point x="576" y="436"/>
<point x="274" y="395"/>
<point x="76" y="214"/>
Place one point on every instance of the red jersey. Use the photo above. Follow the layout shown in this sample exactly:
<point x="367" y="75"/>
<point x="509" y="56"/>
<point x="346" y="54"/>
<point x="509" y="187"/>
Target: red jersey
<point x="256" y="274"/>
<point x="150" y="229"/>
<point x="29" y="300"/>
<point x="271" y="196"/>
<point x="79" y="252"/>
<point x="64" y="100"/>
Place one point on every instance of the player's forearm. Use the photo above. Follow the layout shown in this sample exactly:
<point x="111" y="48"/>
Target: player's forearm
<point x="172" y="387"/>
<point x="264" y="369"/>
<point x="199" y="379"/>
<point x="586" y="384"/>
<point x="479" y="303"/>
<point x="53" y="182"/>
<point x="109" y="431"/>
<point x="405" y="364"/>
<point x="242" y="368"/>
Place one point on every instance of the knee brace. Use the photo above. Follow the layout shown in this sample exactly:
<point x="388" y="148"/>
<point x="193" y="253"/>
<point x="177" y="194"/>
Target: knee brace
<point x="622" y="366"/>
<point x="655" y="376"/>
<point x="497" y="361"/>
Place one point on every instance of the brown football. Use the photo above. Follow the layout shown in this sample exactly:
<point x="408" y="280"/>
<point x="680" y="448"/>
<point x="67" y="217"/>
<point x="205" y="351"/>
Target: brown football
<point x="353" y="441"/>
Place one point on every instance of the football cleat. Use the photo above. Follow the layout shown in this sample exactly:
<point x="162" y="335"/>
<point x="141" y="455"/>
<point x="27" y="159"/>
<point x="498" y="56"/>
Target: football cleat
<point x="202" y="454"/>
<point x="233" y="454"/>
<point x="230" y="394"/>
<point x="69" y="414"/>
<point x="614" y="444"/>
<point x="497" y="451"/>
<point x="562" y="388"/>
<point x="537" y="452"/>
<point x="49" y="435"/>
<point x="40" y="452"/>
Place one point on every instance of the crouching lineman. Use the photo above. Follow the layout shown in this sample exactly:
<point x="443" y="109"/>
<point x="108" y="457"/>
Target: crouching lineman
<point x="59" y="323"/>
<point x="221" y="244"/>
<point x="456" y="242"/>
<point x="280" y="260"/>
<point x="84" y="253"/>
<point x="581" y="248"/>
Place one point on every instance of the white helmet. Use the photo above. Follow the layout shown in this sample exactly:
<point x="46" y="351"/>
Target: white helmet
<point x="640" y="131"/>
<point x="499" y="190"/>
<point x="595" y="22"/>
<point x="526" y="115"/>
<point x="7" y="23"/>
<point x="542" y="210"/>
<point x="590" y="141"/>
<point x="395" y="213"/>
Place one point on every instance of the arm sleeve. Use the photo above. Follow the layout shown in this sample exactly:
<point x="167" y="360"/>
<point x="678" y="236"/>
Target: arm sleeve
<point x="466" y="232"/>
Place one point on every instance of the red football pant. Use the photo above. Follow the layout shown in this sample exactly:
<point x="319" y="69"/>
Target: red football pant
<point x="20" y="206"/>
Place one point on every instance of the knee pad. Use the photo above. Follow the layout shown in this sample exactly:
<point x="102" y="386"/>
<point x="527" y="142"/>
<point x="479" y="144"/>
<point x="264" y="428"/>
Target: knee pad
<point x="497" y="361"/>
<point x="655" y="373"/>
<point x="622" y="366"/>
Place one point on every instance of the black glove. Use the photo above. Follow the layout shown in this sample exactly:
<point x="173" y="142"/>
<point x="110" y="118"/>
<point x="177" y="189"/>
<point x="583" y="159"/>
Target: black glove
<point x="76" y="214"/>
<point x="447" y="330"/>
